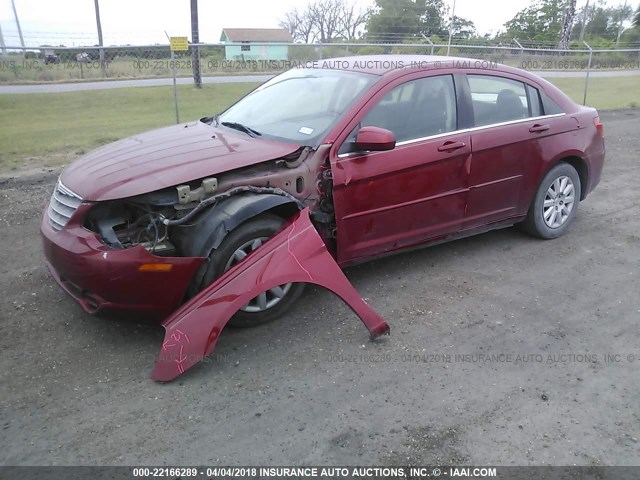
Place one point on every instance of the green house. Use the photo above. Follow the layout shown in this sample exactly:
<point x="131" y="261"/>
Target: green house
<point x="256" y="43"/>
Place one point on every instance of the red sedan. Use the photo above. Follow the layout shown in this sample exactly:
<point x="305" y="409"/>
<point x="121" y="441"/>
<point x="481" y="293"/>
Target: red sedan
<point x="378" y="154"/>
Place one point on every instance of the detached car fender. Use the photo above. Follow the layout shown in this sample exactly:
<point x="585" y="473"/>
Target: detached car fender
<point x="295" y="254"/>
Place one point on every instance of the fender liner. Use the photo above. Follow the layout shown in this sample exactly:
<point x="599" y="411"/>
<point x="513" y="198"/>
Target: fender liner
<point x="214" y="224"/>
<point x="295" y="254"/>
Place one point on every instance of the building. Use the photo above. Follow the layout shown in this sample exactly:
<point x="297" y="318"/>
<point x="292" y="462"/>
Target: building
<point x="239" y="43"/>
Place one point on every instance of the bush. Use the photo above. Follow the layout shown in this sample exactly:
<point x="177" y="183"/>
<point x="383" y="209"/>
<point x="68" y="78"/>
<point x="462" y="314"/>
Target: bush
<point x="369" y="50"/>
<point x="304" y="52"/>
<point x="453" y="52"/>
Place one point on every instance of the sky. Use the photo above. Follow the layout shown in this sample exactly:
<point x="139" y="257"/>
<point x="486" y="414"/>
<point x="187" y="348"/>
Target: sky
<point x="72" y="22"/>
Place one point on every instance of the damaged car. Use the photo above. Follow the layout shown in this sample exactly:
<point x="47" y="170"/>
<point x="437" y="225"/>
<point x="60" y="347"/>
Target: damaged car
<point x="365" y="158"/>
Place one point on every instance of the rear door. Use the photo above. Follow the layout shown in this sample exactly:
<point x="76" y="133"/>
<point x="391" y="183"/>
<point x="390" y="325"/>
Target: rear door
<point x="509" y="125"/>
<point x="385" y="201"/>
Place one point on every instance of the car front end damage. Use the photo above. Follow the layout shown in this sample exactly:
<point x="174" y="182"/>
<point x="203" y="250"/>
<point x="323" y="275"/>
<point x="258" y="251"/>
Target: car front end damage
<point x="100" y="276"/>
<point x="148" y="253"/>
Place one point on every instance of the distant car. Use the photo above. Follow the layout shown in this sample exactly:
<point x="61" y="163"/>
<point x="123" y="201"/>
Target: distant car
<point x="51" y="59"/>
<point x="387" y="152"/>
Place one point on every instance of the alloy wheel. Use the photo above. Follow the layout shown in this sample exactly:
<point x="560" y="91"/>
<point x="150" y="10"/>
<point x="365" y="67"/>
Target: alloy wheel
<point x="558" y="202"/>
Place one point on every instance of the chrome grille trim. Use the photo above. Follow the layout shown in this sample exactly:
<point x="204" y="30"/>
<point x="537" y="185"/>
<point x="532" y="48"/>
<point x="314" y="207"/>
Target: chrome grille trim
<point x="62" y="206"/>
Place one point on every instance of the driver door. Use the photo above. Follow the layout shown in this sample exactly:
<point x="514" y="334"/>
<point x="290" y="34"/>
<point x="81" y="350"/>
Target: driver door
<point x="388" y="200"/>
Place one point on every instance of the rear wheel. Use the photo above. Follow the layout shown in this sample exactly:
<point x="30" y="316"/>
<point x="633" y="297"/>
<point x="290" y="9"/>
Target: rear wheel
<point x="235" y="247"/>
<point x="555" y="204"/>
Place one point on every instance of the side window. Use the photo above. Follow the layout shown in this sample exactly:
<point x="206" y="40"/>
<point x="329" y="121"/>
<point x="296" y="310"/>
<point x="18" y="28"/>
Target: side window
<point x="534" y="102"/>
<point x="416" y="109"/>
<point x="550" y="107"/>
<point x="497" y="99"/>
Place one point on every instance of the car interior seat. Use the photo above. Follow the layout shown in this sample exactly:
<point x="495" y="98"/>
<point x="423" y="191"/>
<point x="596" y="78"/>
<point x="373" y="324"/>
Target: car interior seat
<point x="509" y="106"/>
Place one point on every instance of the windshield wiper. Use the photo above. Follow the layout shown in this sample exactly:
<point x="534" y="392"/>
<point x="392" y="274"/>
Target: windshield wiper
<point x="243" y="128"/>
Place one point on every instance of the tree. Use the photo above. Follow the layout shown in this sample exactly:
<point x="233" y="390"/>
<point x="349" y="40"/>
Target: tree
<point x="399" y="20"/>
<point x="540" y="21"/>
<point x="434" y="18"/>
<point x="352" y="20"/>
<point x="394" y="20"/>
<point x="326" y="18"/>
<point x="463" y="28"/>
<point x="603" y="22"/>
<point x="299" y="25"/>
<point x="325" y="21"/>
<point x="567" y="24"/>
<point x="636" y="19"/>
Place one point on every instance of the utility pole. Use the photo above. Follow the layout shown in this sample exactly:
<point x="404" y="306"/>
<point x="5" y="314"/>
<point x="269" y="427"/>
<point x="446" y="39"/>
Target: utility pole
<point x="453" y="17"/>
<point x="15" y="14"/>
<point x="584" y="21"/>
<point x="100" y="43"/>
<point x="195" y="50"/>
<point x="2" y="45"/>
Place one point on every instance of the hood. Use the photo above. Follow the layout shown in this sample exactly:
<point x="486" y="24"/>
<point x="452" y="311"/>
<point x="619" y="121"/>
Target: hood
<point x="164" y="158"/>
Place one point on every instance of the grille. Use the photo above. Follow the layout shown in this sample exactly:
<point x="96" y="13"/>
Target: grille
<point x="62" y="206"/>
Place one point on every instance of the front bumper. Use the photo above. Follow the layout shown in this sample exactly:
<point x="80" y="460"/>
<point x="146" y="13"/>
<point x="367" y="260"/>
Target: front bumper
<point x="99" y="277"/>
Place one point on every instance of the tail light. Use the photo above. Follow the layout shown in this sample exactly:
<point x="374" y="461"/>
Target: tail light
<point x="599" y="125"/>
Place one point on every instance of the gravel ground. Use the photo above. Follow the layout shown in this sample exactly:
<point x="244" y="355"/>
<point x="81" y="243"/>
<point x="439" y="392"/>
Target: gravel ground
<point x="504" y="350"/>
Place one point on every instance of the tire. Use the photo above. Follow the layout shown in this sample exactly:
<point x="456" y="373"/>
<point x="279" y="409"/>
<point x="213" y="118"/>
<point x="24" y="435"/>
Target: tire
<point x="248" y="236"/>
<point x="555" y="204"/>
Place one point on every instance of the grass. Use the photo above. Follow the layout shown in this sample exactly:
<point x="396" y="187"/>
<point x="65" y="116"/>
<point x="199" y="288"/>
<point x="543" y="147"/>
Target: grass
<point x="605" y="93"/>
<point x="52" y="129"/>
<point x="24" y="71"/>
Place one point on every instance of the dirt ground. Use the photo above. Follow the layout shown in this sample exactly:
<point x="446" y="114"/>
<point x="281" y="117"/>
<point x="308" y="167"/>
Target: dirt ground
<point x="504" y="350"/>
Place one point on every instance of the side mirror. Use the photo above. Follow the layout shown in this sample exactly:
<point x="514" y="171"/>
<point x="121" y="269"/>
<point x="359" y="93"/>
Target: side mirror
<point x="375" y="139"/>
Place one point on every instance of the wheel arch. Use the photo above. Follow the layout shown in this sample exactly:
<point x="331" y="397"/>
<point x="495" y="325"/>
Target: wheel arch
<point x="583" y="171"/>
<point x="534" y="224"/>
<point x="212" y="226"/>
<point x="209" y="229"/>
<point x="573" y="159"/>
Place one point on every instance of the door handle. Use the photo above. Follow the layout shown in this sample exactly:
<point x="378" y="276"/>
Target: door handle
<point x="537" y="128"/>
<point x="451" y="146"/>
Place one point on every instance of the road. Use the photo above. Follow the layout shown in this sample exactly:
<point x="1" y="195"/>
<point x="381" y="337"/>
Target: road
<point x="155" y="82"/>
<point x="150" y="82"/>
<point x="504" y="350"/>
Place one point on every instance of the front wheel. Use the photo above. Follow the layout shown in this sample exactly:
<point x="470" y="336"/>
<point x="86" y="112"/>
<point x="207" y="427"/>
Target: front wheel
<point x="235" y="247"/>
<point x="555" y="204"/>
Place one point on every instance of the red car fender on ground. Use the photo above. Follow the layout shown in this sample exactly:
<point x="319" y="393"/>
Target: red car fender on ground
<point x="295" y="254"/>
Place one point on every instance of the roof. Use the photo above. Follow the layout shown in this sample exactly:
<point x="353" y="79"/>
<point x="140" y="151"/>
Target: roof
<point x="257" y="35"/>
<point x="395" y="64"/>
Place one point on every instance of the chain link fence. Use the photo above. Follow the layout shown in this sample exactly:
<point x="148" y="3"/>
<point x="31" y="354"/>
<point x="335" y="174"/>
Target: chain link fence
<point x="28" y="65"/>
<point x="207" y="63"/>
<point x="102" y="111"/>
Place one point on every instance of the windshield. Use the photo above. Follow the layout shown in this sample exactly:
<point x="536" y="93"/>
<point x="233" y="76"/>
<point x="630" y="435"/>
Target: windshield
<point x="298" y="106"/>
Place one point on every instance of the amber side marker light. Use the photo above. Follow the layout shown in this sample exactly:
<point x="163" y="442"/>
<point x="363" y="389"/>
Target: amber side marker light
<point x="599" y="125"/>
<point x="155" y="267"/>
